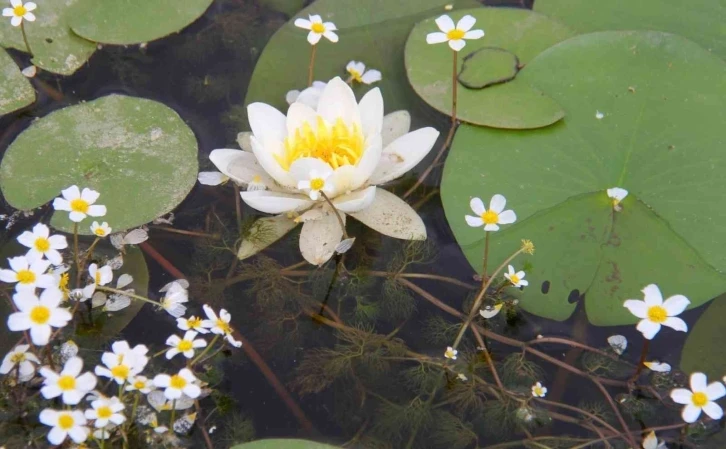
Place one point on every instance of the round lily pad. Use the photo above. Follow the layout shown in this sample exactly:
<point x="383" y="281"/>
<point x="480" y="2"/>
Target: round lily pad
<point x="514" y="104"/>
<point x="704" y="350"/>
<point x="134" y="21"/>
<point x="644" y="113"/>
<point x="278" y="443"/>
<point x="54" y="46"/>
<point x="137" y="153"/>
<point x="488" y="66"/>
<point x="15" y="90"/>
<point x="693" y="19"/>
<point x="371" y="31"/>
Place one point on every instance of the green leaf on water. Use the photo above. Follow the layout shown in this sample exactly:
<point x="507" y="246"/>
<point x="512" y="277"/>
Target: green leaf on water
<point x="704" y="350"/>
<point x="660" y="138"/>
<point x="514" y="104"/>
<point x="488" y="66"/>
<point x="279" y="443"/>
<point x="139" y="154"/>
<point x="16" y="92"/>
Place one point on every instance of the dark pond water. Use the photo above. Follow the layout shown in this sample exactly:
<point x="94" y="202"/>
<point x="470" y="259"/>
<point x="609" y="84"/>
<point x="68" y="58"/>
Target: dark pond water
<point x="203" y="74"/>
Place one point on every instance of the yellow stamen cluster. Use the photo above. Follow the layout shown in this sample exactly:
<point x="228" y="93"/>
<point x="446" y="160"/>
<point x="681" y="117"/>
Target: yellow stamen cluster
<point x="66" y="421"/>
<point x="490" y="217"/>
<point x="657" y="314"/>
<point x="455" y="34"/>
<point x="66" y="383"/>
<point x="40" y="314"/>
<point x="120" y="371"/>
<point x="699" y="399"/>
<point x="25" y="276"/>
<point x="514" y="278"/>
<point x="80" y="205"/>
<point x="104" y="412"/>
<point x="528" y="246"/>
<point x="185" y="345"/>
<point x="42" y="244"/>
<point x="356" y="75"/>
<point x="177" y="382"/>
<point x="336" y="145"/>
<point x="318" y="28"/>
<point x="20" y="11"/>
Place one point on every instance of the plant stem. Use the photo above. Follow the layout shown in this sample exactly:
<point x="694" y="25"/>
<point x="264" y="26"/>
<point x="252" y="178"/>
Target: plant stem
<point x="75" y="249"/>
<point x="25" y="37"/>
<point x="311" y="66"/>
<point x="125" y="293"/>
<point x="641" y="362"/>
<point x="335" y="211"/>
<point x="209" y="346"/>
<point x="173" y="414"/>
<point x="454" y="88"/>
<point x="484" y="276"/>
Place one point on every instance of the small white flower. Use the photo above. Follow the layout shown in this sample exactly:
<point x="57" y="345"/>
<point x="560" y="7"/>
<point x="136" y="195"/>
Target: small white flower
<point x="656" y="313"/>
<point x="70" y="383"/>
<point x="65" y="423"/>
<point x="183" y="382"/>
<point x="140" y="383"/>
<point x="651" y="442"/>
<point x="317" y="28"/>
<point x="516" y="278"/>
<point x="538" y="390"/>
<point x="358" y="73"/>
<point x="699" y="398"/>
<point x="492" y="218"/>
<point x="309" y="96"/>
<point x="41" y="244"/>
<point x="599" y="115"/>
<point x="38" y="314"/>
<point x="220" y="324"/>
<point x="618" y="343"/>
<point x="100" y="276"/>
<point x="173" y="301"/>
<point x="462" y="377"/>
<point x="313" y="177"/>
<point x="491" y="311"/>
<point x="212" y="178"/>
<point x="20" y="12"/>
<point x="106" y="410"/>
<point x="658" y="367"/>
<point x="103" y="433"/>
<point x="21" y="358"/>
<point x="185" y="345"/>
<point x="192" y="323"/>
<point x="79" y="204"/>
<point x="28" y="274"/>
<point x="101" y="230"/>
<point x="450" y="353"/>
<point x="617" y="195"/>
<point x="124" y="363"/>
<point x="454" y="34"/>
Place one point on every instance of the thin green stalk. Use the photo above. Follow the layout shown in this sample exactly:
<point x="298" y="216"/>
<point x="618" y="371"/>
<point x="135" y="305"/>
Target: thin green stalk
<point x="454" y="88"/>
<point x="103" y="288"/>
<point x="337" y="214"/>
<point x="25" y="38"/>
<point x="206" y="350"/>
<point x="173" y="415"/>
<point x="311" y="67"/>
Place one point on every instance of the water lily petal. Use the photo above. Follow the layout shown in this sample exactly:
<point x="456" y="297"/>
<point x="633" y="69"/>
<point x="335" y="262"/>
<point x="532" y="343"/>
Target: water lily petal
<point x="338" y="101"/>
<point x="676" y="304"/>
<point x="690" y="413"/>
<point x="474" y="34"/>
<point x="715" y="390"/>
<point x="436" y="38"/>
<point x="371" y="76"/>
<point x="497" y="203"/>
<point x="474" y="222"/>
<point x="314" y="38"/>
<point x="303" y="23"/>
<point x="391" y="216"/>
<point x="371" y="112"/>
<point x="243" y="140"/>
<point x="265" y="158"/>
<point x="676" y="323"/>
<point x="368" y="163"/>
<point x="395" y="125"/>
<point x="298" y="114"/>
<point x="267" y="123"/>
<point x="319" y="238"/>
<point x="681" y="396"/>
<point x="652" y="295"/>
<point x="636" y="307"/>
<point x="403" y="154"/>
<point x="713" y="410"/>
<point x="477" y="206"/>
<point x="466" y="23"/>
<point x="356" y="201"/>
<point x="648" y="328"/>
<point x="457" y="44"/>
<point x="445" y="23"/>
<point x="699" y="382"/>
<point x="275" y="202"/>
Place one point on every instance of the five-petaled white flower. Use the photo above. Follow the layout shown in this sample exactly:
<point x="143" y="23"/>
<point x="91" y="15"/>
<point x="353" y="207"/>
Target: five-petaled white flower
<point x="617" y="195"/>
<point x="100" y="230"/>
<point x="450" y="353"/>
<point x="317" y="28"/>
<point x="454" y="34"/>
<point x="41" y="243"/>
<point x="358" y="73"/>
<point x="192" y="323"/>
<point x="22" y="359"/>
<point x="492" y="218"/>
<point x="124" y="363"/>
<point x="516" y="278"/>
<point x="538" y="390"/>
<point x="651" y="442"/>
<point x="70" y="383"/>
<point x="314" y="176"/>
<point x="220" y="324"/>
<point x="656" y="313"/>
<point x="183" y="382"/>
<point x="79" y="204"/>
<point x="106" y="410"/>
<point x="65" y="423"/>
<point x="699" y="398"/>
<point x="100" y="276"/>
<point x="140" y="383"/>
<point x="20" y="11"/>
<point x="185" y="345"/>
<point x="38" y="314"/>
<point x="176" y="296"/>
<point x="491" y="311"/>
<point x="28" y="274"/>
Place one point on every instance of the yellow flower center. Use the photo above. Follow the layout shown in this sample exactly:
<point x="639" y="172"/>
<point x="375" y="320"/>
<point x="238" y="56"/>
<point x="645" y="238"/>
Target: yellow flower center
<point x="356" y="75"/>
<point x="194" y="323"/>
<point x="490" y="217"/>
<point x="317" y="184"/>
<point x="104" y="412"/>
<point x="17" y="357"/>
<point x="139" y="384"/>
<point x="336" y="145"/>
<point x="224" y="326"/>
<point x="40" y="314"/>
<point x="66" y="383"/>
<point x="120" y="371"/>
<point x="19" y="11"/>
<point x="26" y="276"/>
<point x="318" y="28"/>
<point x="79" y="205"/>
<point x="63" y="284"/>
<point x="514" y="278"/>
<point x="97" y="277"/>
<point x="538" y="391"/>
<point x="42" y="244"/>
<point x="699" y="399"/>
<point x="185" y="345"/>
<point x="455" y="34"/>
<point x="99" y="231"/>
<point x="177" y="382"/>
<point x="657" y="314"/>
<point x="66" y="421"/>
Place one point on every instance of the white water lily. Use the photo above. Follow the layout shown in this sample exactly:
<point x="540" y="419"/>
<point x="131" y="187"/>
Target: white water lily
<point x="516" y="277"/>
<point x="70" y="384"/>
<point x="65" y="423"/>
<point x="42" y="244"/>
<point x="450" y="353"/>
<point x="21" y="360"/>
<point x="105" y="411"/>
<point x="27" y="275"/>
<point x="79" y="204"/>
<point x="318" y="29"/>
<point x="101" y="230"/>
<point x="358" y="73"/>
<point x="618" y="343"/>
<point x="538" y="390"/>
<point x="454" y="34"/>
<point x="699" y="398"/>
<point x="492" y="218"/>
<point x="491" y="311"/>
<point x="20" y="11"/>
<point x="658" y="367"/>
<point x="345" y="136"/>
<point x="617" y="195"/>
<point x="38" y="314"/>
<point x="185" y="345"/>
<point x="175" y="385"/>
<point x="656" y="313"/>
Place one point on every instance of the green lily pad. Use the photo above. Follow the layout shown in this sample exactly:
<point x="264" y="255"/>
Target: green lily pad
<point x="514" y="104"/>
<point x="371" y="31"/>
<point x="139" y="154"/>
<point x="693" y="19"/>
<point x="488" y="66"/>
<point x="659" y="138"/>
<point x="134" y="21"/>
<point x="278" y="443"/>
<point x="54" y="46"/>
<point x="704" y="350"/>
<point x="15" y="90"/>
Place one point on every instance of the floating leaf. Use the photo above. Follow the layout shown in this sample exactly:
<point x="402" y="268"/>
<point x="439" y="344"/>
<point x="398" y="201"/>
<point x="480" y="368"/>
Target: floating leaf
<point x="693" y="19"/>
<point x="134" y="21"/>
<point x="55" y="47"/>
<point x="139" y="154"/>
<point x="15" y="90"/>
<point x="264" y="232"/>
<point x="704" y="349"/>
<point x="488" y="66"/>
<point x="278" y="443"/>
<point x="514" y="104"/>
<point x="661" y="140"/>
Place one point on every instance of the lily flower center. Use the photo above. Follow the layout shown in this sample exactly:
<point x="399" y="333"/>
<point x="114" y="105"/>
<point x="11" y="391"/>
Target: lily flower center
<point x="657" y="314"/>
<point x="66" y="383"/>
<point x="318" y="28"/>
<point x="185" y="345"/>
<point x="224" y="326"/>
<point x="97" y="277"/>
<point x="490" y="217"/>
<point x="455" y="34"/>
<point x="514" y="278"/>
<point x="100" y="232"/>
<point x="538" y="391"/>
<point x="104" y="412"/>
<point x="26" y="277"/>
<point x="66" y="421"/>
<point x="42" y="244"/>
<point x="356" y="75"/>
<point x="18" y="357"/>
<point x="120" y="371"/>
<point x="139" y="384"/>
<point x="336" y="145"/>
<point x="699" y="399"/>
<point x="177" y="382"/>
<point x="317" y="183"/>
<point x="194" y="323"/>
<point x="20" y="11"/>
<point x="40" y="314"/>
<point x="79" y="205"/>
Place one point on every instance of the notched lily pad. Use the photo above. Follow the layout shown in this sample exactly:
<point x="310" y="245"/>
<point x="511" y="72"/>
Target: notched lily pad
<point x="488" y="66"/>
<point x="138" y="153"/>
<point x="515" y="104"/>
<point x="16" y="92"/>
